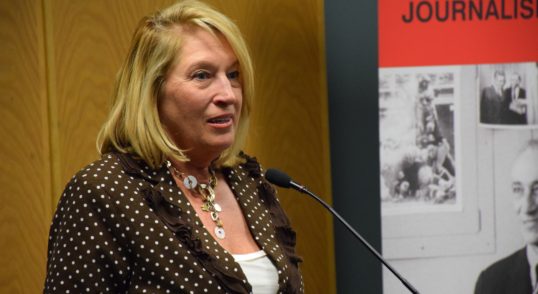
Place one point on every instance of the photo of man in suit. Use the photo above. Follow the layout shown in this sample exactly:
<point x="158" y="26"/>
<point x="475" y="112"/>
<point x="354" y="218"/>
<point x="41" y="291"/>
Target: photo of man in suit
<point x="516" y="104"/>
<point x="492" y="100"/>
<point x="517" y="273"/>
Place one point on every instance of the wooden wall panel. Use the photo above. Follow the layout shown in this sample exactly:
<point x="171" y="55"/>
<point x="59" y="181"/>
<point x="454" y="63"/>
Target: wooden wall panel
<point x="25" y="208"/>
<point x="289" y="126"/>
<point x="88" y="41"/>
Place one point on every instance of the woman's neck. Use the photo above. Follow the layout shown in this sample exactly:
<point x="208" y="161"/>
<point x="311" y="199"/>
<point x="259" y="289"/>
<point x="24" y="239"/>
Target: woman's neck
<point x="200" y="170"/>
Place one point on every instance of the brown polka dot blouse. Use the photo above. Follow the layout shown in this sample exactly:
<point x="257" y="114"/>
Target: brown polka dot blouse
<point x="121" y="227"/>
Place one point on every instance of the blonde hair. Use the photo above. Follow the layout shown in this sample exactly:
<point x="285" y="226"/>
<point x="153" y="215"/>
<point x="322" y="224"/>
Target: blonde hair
<point x="133" y="124"/>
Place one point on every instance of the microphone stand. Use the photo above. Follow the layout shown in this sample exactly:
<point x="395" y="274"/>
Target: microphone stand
<point x="303" y="189"/>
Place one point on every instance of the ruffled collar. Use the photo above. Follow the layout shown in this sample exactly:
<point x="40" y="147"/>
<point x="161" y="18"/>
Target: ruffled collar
<point x="179" y="221"/>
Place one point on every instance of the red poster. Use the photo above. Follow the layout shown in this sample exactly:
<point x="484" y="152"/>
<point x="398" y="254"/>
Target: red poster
<point x="446" y="32"/>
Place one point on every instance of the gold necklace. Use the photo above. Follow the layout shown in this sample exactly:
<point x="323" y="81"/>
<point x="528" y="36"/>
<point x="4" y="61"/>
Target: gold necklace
<point x="208" y="195"/>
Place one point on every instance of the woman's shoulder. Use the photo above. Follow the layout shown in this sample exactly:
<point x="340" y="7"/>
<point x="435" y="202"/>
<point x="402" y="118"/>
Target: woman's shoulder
<point x="110" y="175"/>
<point x="249" y="164"/>
<point x="104" y="187"/>
<point x="249" y="177"/>
<point x="106" y="162"/>
<point x="114" y="166"/>
<point x="96" y="171"/>
<point x="90" y="180"/>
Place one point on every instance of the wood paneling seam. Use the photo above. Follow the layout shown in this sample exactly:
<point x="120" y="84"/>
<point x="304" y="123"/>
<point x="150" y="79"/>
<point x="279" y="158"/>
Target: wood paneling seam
<point x="326" y="146"/>
<point x="50" y="81"/>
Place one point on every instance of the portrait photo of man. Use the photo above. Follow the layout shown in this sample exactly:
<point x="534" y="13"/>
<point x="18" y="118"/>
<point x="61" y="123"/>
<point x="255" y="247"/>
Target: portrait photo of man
<point x="516" y="104"/>
<point x="492" y="100"/>
<point x="517" y="273"/>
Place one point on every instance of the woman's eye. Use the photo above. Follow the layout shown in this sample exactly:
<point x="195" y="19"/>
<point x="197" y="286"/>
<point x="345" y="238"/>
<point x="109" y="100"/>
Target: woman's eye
<point x="201" y="75"/>
<point x="234" y="75"/>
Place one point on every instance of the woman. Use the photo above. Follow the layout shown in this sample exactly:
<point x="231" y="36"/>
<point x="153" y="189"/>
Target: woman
<point x="173" y="206"/>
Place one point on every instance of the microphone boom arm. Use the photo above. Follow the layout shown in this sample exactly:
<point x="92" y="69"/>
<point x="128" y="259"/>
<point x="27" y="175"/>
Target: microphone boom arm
<point x="303" y="189"/>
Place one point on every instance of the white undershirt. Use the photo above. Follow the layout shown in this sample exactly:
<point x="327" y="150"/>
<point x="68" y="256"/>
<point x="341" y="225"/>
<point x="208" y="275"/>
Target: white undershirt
<point x="260" y="272"/>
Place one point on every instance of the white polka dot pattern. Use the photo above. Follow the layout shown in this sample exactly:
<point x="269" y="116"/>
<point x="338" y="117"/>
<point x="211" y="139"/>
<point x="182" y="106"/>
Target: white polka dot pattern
<point x="106" y="237"/>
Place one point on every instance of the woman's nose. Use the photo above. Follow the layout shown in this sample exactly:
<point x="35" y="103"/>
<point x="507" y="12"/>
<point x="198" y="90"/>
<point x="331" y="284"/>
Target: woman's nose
<point x="226" y="93"/>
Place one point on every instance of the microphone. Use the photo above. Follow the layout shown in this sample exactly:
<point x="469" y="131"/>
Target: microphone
<point x="281" y="179"/>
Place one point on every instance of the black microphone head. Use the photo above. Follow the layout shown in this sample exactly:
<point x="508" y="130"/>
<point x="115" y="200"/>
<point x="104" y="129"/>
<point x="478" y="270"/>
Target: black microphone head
<point x="277" y="177"/>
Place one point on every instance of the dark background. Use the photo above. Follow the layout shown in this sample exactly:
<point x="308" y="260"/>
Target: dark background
<point x="352" y="74"/>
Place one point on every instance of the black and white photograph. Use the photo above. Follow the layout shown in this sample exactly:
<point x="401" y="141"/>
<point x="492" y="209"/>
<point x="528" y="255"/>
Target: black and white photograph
<point x="484" y="245"/>
<point x="507" y="95"/>
<point x="417" y="139"/>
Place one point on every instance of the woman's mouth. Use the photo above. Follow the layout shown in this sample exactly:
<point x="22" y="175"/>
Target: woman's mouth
<point x="221" y="121"/>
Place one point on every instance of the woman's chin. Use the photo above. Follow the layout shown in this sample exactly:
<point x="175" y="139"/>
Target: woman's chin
<point x="220" y="145"/>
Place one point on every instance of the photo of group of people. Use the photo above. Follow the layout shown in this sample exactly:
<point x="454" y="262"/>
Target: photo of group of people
<point x="416" y="110"/>
<point x="505" y="101"/>
<point x="417" y="116"/>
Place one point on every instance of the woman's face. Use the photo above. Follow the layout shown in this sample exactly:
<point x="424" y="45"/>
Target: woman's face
<point x="202" y="95"/>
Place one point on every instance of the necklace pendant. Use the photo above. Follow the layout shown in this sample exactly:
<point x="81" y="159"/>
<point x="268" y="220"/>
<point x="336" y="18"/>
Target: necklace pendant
<point x="219" y="232"/>
<point x="217" y="207"/>
<point x="190" y="182"/>
<point x="214" y="216"/>
<point x="211" y="194"/>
